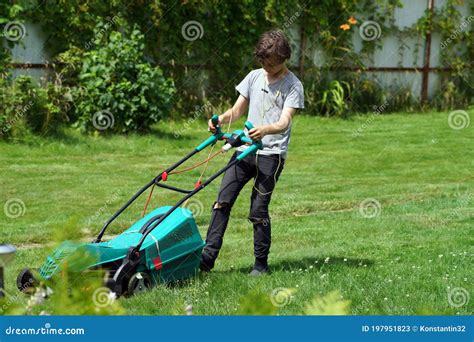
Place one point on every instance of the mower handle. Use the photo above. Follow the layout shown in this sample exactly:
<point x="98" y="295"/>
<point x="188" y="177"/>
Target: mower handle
<point x="239" y="137"/>
<point x="218" y="135"/>
<point x="215" y="122"/>
<point x="255" y="144"/>
<point x="249" y="125"/>
<point x="213" y="138"/>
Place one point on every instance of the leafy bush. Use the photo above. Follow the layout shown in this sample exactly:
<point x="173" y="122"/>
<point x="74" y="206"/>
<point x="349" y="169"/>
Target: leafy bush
<point x="454" y="92"/>
<point x="120" y="91"/>
<point x="334" y="99"/>
<point x="324" y="96"/>
<point x="400" y="98"/>
<point x="313" y="85"/>
<point x="26" y="105"/>
<point x="367" y="95"/>
<point x="3" y="103"/>
<point x="8" y="12"/>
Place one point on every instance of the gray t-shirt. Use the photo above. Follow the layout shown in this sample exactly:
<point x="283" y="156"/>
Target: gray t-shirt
<point x="266" y="103"/>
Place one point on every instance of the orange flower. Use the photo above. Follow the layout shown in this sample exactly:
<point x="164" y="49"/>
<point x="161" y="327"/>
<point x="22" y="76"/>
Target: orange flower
<point x="352" y="20"/>
<point x="345" y="27"/>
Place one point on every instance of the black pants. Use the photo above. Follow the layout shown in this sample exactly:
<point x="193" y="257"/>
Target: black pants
<point x="265" y="170"/>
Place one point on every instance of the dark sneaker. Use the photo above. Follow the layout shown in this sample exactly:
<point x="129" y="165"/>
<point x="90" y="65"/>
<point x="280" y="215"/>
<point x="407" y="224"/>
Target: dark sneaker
<point x="206" y="264"/>
<point x="259" y="272"/>
<point x="203" y="268"/>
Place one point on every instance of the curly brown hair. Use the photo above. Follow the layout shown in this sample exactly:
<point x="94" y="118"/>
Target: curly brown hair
<point x="273" y="44"/>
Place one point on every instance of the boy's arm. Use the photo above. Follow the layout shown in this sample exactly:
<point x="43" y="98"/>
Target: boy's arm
<point x="239" y="108"/>
<point x="282" y="125"/>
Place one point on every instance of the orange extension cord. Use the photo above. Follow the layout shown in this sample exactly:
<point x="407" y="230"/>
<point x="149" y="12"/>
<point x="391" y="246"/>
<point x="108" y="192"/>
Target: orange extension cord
<point x="181" y="171"/>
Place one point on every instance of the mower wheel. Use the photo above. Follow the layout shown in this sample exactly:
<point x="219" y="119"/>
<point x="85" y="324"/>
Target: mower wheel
<point x="138" y="283"/>
<point x="26" y="281"/>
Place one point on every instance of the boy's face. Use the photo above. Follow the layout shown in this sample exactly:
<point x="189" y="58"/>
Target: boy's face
<point x="272" y="66"/>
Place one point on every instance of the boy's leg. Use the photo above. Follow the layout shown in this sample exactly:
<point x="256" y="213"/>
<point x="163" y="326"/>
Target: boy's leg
<point x="233" y="181"/>
<point x="268" y="171"/>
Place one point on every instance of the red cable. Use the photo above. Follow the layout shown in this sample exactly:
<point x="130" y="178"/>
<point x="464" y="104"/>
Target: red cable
<point x="176" y="172"/>
<point x="195" y="166"/>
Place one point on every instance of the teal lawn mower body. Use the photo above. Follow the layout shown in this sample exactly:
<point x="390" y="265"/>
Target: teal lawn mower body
<point x="171" y="252"/>
<point x="163" y="246"/>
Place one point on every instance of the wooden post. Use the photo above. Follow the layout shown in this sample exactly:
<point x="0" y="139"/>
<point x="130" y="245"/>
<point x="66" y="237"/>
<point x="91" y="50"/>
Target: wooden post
<point x="426" y="66"/>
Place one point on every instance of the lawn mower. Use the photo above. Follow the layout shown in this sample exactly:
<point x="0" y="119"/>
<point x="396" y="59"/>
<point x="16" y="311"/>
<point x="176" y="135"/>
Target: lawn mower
<point x="163" y="246"/>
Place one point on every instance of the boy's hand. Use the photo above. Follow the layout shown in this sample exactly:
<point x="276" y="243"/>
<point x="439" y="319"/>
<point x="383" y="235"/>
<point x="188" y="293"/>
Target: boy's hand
<point x="257" y="133"/>
<point x="211" y="126"/>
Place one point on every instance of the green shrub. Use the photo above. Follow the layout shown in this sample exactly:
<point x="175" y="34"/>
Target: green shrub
<point x="3" y="103"/>
<point x="454" y="92"/>
<point x="400" y="98"/>
<point x="333" y="100"/>
<point x="25" y="104"/>
<point x="313" y="87"/>
<point x="366" y="95"/>
<point x="118" y="89"/>
<point x="8" y="12"/>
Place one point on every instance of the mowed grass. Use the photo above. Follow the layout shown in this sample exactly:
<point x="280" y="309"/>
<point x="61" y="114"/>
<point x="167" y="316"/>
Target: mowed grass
<point x="405" y="260"/>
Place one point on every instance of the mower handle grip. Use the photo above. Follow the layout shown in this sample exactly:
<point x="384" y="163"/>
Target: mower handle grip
<point x="249" y="140"/>
<point x="254" y="144"/>
<point x="249" y="125"/>
<point x="215" y="122"/>
<point x="250" y="150"/>
<point x="215" y="119"/>
<point x="213" y="138"/>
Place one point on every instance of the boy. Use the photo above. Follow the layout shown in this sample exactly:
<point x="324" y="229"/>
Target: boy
<point x="272" y="94"/>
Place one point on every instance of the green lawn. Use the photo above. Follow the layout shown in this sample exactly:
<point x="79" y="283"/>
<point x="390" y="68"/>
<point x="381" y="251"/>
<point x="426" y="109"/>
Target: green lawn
<point x="405" y="260"/>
